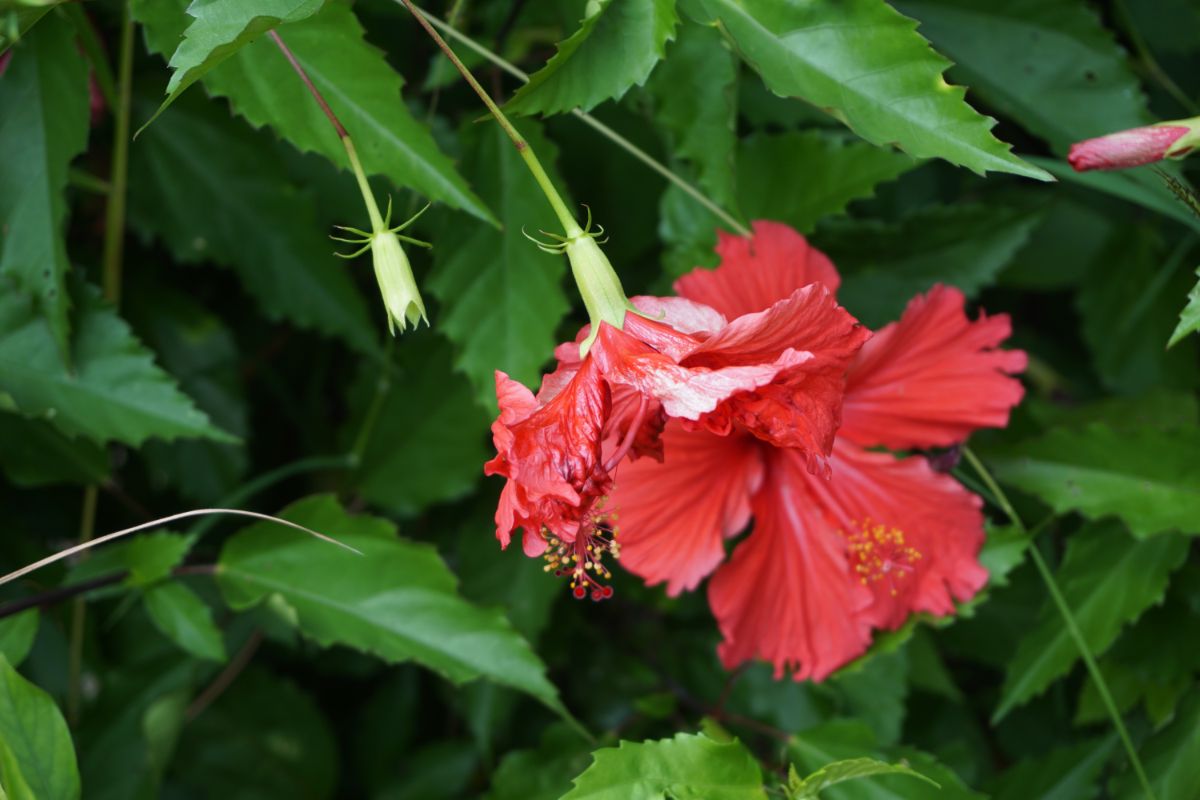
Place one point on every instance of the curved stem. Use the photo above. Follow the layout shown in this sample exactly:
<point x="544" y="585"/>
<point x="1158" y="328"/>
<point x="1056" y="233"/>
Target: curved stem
<point x="269" y="479"/>
<point x="226" y="677"/>
<point x="605" y="131"/>
<point x="114" y="219"/>
<point x="565" y="217"/>
<point x="87" y="527"/>
<point x="1069" y="620"/>
<point x="155" y="523"/>
<point x="383" y="387"/>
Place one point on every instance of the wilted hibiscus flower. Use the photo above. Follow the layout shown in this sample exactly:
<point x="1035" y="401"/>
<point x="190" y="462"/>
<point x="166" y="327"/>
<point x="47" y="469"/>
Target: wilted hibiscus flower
<point x="829" y="558"/>
<point x="775" y="373"/>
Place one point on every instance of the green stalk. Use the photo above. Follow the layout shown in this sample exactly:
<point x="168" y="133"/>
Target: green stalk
<point x="87" y="528"/>
<point x="1069" y="620"/>
<point x="114" y="220"/>
<point x="566" y="219"/>
<point x="605" y="131"/>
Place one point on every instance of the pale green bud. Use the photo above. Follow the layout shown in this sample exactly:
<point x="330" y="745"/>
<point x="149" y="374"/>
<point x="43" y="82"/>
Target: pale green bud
<point x="401" y="298"/>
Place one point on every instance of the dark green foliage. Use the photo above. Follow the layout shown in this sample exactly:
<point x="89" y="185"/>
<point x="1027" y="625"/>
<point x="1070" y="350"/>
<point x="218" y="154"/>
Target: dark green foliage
<point x="242" y="364"/>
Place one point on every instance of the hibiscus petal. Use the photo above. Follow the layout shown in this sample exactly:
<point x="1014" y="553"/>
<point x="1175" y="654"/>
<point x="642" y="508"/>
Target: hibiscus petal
<point x="551" y="455"/>
<point x="683" y="315"/>
<point x="757" y="271"/>
<point x="787" y="595"/>
<point x="673" y="516"/>
<point x="687" y="393"/>
<point x="801" y="407"/>
<point x="932" y="378"/>
<point x="915" y="533"/>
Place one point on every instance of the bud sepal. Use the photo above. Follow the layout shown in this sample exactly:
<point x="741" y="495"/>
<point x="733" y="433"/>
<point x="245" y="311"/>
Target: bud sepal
<point x="393" y="273"/>
<point x="598" y="283"/>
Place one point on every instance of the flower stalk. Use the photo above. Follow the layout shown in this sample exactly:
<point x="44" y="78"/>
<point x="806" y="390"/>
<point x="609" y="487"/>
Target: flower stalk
<point x="393" y="272"/>
<point x="598" y="283"/>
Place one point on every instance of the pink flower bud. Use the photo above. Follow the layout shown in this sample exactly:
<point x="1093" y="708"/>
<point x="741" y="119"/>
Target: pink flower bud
<point x="1131" y="148"/>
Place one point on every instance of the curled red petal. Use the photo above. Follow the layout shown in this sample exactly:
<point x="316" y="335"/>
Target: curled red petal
<point x="684" y="392"/>
<point x="801" y="406"/>
<point x="551" y="454"/>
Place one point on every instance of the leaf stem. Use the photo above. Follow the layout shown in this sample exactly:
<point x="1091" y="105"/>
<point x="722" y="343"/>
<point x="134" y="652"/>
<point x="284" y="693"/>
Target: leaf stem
<point x="1069" y="620"/>
<point x="226" y="678"/>
<point x="114" y="219"/>
<point x="605" y="131"/>
<point x="565" y="217"/>
<point x="383" y="387"/>
<point x="87" y="527"/>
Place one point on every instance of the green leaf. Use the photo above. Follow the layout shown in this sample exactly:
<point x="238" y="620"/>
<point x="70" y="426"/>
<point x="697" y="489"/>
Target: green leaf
<point x="1134" y="185"/>
<point x="212" y="190"/>
<point x="113" y="389"/>
<point x="1146" y="476"/>
<point x="35" y="453"/>
<point x="502" y="298"/>
<point x="1171" y="758"/>
<point x="37" y="758"/>
<point x="1189" y="318"/>
<point x="184" y="619"/>
<point x="220" y="29"/>
<point x="834" y="170"/>
<point x="264" y="738"/>
<point x="430" y="435"/>
<point x="1127" y="303"/>
<point x="875" y="691"/>
<point x="847" y="770"/>
<point x="819" y="745"/>
<point x="150" y="557"/>
<point x="1108" y="579"/>
<point x="884" y="81"/>
<point x="686" y="767"/>
<point x="360" y="87"/>
<point x="139" y="700"/>
<point x="1003" y="551"/>
<point x="1159" y="409"/>
<point x="1069" y="773"/>
<point x="701" y="121"/>
<point x="16" y="635"/>
<point x="543" y="773"/>
<point x="616" y="46"/>
<point x="197" y="348"/>
<point x="884" y="265"/>
<point x="43" y="126"/>
<point x="397" y="600"/>
<point x="1049" y="64"/>
<point x="17" y="20"/>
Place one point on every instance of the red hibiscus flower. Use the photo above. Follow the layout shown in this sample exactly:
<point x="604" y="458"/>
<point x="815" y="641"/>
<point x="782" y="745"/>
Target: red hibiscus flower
<point x="828" y="559"/>
<point x="775" y="374"/>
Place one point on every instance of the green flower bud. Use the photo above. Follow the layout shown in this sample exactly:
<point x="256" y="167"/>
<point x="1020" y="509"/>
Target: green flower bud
<point x="597" y="281"/>
<point x="396" y="283"/>
<point x="401" y="298"/>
